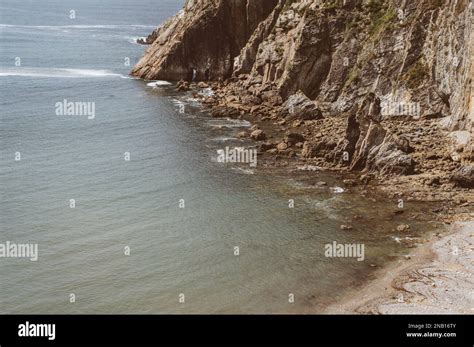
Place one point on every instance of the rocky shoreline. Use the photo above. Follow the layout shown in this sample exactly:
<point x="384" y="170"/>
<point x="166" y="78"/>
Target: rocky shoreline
<point x="377" y="92"/>
<point x="294" y="143"/>
<point x="385" y="100"/>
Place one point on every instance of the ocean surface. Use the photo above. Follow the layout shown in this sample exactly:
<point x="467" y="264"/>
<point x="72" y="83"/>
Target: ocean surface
<point x="176" y="253"/>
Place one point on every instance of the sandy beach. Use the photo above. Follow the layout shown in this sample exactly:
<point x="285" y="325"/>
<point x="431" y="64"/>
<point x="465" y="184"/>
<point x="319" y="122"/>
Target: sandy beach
<point x="437" y="278"/>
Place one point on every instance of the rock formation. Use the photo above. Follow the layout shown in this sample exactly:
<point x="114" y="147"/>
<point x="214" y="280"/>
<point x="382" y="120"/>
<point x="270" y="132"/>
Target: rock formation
<point x="386" y="66"/>
<point x="206" y="34"/>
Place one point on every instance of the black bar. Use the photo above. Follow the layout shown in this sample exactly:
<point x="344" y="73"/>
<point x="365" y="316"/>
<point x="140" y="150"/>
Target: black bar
<point x="244" y="329"/>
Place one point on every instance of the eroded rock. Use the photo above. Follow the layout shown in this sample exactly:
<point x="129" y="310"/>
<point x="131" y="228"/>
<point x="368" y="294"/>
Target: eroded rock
<point x="464" y="176"/>
<point x="258" y="135"/>
<point x="299" y="106"/>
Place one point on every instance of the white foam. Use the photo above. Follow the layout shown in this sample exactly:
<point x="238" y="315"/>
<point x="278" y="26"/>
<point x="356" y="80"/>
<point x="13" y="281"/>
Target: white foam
<point x="308" y="168"/>
<point x="206" y="92"/>
<point x="90" y="26"/>
<point x="337" y="190"/>
<point x="244" y="171"/>
<point x="224" y="139"/>
<point x="56" y="73"/>
<point x="134" y="39"/>
<point x="155" y="84"/>
<point x="400" y="239"/>
<point x="177" y="102"/>
<point x="229" y="123"/>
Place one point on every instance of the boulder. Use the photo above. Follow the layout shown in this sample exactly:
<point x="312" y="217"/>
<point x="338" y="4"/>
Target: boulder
<point x="266" y="146"/>
<point x="182" y="86"/>
<point x="464" y="176"/>
<point x="224" y="112"/>
<point x="309" y="150"/>
<point x="293" y="138"/>
<point x="403" y="228"/>
<point x="368" y="146"/>
<point x="242" y="134"/>
<point x="251" y="100"/>
<point x="299" y="106"/>
<point x="258" y="135"/>
<point x="272" y="97"/>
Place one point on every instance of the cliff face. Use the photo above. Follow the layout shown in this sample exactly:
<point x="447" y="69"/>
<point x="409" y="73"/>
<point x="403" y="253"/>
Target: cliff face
<point x="414" y="59"/>
<point x="206" y="33"/>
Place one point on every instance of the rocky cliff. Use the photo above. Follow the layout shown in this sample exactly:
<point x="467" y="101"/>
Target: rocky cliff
<point x="375" y="86"/>
<point x="206" y="33"/>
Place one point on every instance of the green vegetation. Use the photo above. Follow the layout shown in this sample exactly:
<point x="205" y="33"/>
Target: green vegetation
<point x="332" y="4"/>
<point x="381" y="20"/>
<point x="352" y="77"/>
<point x="353" y="24"/>
<point x="416" y="74"/>
<point x="375" y="6"/>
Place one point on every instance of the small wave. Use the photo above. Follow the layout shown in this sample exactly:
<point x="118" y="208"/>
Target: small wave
<point x="243" y="170"/>
<point x="129" y="77"/>
<point x="308" y="168"/>
<point x="177" y="102"/>
<point x="206" y="92"/>
<point x="90" y="26"/>
<point x="299" y="185"/>
<point x="400" y="239"/>
<point x="193" y="101"/>
<point x="57" y="73"/>
<point x="229" y="123"/>
<point x="134" y="39"/>
<point x="155" y="84"/>
<point x="224" y="139"/>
